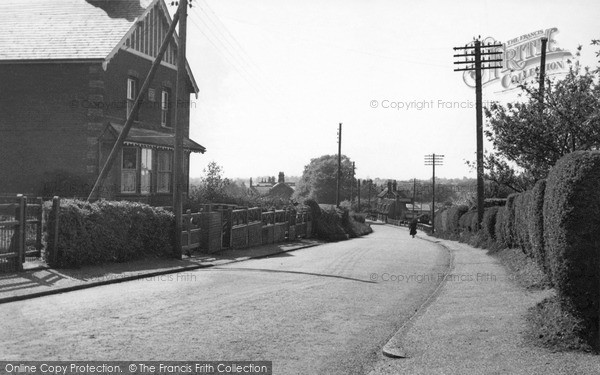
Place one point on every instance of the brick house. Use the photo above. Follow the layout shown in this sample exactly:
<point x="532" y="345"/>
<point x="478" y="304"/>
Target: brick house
<point x="70" y="71"/>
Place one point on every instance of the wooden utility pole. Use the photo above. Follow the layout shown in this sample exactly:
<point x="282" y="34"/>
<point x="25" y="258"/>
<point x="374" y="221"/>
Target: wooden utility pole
<point x="542" y="72"/>
<point x="369" y="196"/>
<point x="433" y="160"/>
<point x="133" y="114"/>
<point x="339" y="170"/>
<point x="352" y="185"/>
<point x="478" y="66"/>
<point x="358" y="188"/>
<point x="181" y="93"/>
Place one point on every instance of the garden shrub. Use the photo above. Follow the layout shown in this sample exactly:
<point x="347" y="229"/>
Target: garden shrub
<point x="536" y="225"/>
<point x="103" y="232"/>
<point x="454" y="215"/>
<point x="489" y="222"/>
<point x="571" y="235"/>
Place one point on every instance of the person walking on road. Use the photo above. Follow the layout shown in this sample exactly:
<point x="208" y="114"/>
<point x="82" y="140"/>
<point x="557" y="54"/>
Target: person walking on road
<point x="413" y="227"/>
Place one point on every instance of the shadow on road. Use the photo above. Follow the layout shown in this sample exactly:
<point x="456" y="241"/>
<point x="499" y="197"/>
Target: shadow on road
<point x="293" y="272"/>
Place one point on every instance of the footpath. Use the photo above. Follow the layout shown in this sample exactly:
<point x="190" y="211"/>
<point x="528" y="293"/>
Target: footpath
<point x="40" y="280"/>
<point x="475" y="325"/>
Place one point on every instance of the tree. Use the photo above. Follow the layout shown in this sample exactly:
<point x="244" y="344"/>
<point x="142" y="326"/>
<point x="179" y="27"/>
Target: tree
<point x="529" y="137"/>
<point x="319" y="180"/>
<point x="213" y="187"/>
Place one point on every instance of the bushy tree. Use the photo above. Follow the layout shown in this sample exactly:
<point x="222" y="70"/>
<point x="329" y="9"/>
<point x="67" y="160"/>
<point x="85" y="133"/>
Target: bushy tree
<point x="319" y="180"/>
<point x="213" y="186"/>
<point x="530" y="136"/>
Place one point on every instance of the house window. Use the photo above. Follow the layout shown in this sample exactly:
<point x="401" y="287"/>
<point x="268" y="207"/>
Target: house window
<point x="146" y="171"/>
<point x="131" y="94"/>
<point x="165" y="108"/>
<point x="129" y="170"/>
<point x="165" y="171"/>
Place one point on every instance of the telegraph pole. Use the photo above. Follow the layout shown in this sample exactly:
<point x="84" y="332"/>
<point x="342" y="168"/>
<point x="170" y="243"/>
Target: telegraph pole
<point x="181" y="93"/>
<point x="478" y="66"/>
<point x="433" y="160"/>
<point x="352" y="184"/>
<point x="339" y="170"/>
<point x="369" y="196"/>
<point x="358" y="188"/>
<point x="542" y="72"/>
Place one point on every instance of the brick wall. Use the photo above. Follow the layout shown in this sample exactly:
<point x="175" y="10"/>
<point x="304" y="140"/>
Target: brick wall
<point x="255" y="234"/>
<point x="239" y="237"/>
<point x="41" y="130"/>
<point x="210" y="236"/>
<point x="279" y="232"/>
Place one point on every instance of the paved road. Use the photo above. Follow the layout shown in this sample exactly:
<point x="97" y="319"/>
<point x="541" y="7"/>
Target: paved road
<point x="323" y="310"/>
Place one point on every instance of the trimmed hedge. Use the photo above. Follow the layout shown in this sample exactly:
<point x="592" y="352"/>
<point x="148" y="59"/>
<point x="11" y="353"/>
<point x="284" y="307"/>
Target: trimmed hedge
<point x="103" y="232"/>
<point x="454" y="214"/>
<point x="445" y="220"/>
<point x="536" y="225"/>
<point x="489" y="222"/>
<point x="571" y="232"/>
<point x="474" y="224"/>
<point x="500" y="227"/>
<point x="509" y="221"/>
<point x="521" y="223"/>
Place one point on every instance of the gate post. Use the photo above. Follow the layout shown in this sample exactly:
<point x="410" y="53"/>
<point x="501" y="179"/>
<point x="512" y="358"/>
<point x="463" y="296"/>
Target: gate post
<point x="56" y="210"/>
<point x="20" y="231"/>
<point x="38" y="231"/>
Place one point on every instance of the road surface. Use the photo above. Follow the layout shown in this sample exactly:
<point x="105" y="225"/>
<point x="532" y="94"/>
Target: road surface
<point x="322" y="310"/>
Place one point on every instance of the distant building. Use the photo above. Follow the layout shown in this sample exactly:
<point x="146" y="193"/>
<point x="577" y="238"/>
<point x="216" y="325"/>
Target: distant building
<point x="391" y="203"/>
<point x="268" y="187"/>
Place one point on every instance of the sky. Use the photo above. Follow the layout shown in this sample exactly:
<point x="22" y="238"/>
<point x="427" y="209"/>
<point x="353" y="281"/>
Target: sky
<point x="276" y="77"/>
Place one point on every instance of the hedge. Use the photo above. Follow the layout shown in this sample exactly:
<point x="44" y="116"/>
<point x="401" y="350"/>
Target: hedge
<point x="474" y="224"/>
<point x="536" y="225"/>
<point x="571" y="235"/>
<point x="509" y="221"/>
<point x="521" y="223"/>
<point x="437" y="221"/>
<point x="499" y="228"/>
<point x="102" y="232"/>
<point x="488" y="226"/>
<point x="464" y="222"/>
<point x="444" y="216"/>
<point x="454" y="214"/>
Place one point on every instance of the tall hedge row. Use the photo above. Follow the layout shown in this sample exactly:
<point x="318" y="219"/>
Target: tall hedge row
<point x="536" y="224"/>
<point x="557" y="223"/>
<point x="521" y="223"/>
<point x="96" y="233"/>
<point x="572" y="231"/>
<point x="509" y="221"/>
<point x="500" y="227"/>
<point x="454" y="214"/>
<point x="489" y="222"/>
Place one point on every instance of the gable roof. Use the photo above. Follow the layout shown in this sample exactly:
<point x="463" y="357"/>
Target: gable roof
<point x="70" y="30"/>
<point x="65" y="29"/>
